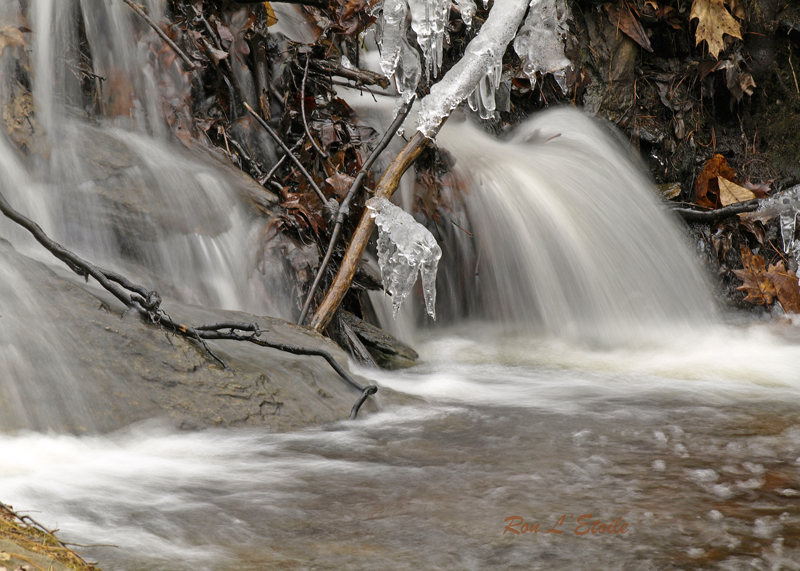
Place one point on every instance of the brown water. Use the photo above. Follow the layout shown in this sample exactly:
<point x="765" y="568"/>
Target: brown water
<point x="703" y="468"/>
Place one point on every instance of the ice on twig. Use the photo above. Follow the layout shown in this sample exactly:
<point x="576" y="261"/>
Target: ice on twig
<point x="398" y="58"/>
<point x="786" y="205"/>
<point x="482" y="55"/>
<point x="540" y="41"/>
<point x="405" y="248"/>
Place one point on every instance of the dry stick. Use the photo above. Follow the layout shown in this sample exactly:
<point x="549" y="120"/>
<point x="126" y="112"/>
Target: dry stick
<point x="147" y="304"/>
<point x="344" y="208"/>
<point x="710" y="215"/>
<point x="358" y="243"/>
<point x="165" y="37"/>
<point x="303" y="112"/>
<point x="283" y="146"/>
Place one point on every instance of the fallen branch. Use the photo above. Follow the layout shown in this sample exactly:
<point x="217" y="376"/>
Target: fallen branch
<point x="485" y="50"/>
<point x="162" y="35"/>
<point x="386" y="187"/>
<point x="362" y="76"/>
<point x="344" y="207"/>
<point x="148" y="304"/>
<point x="710" y="215"/>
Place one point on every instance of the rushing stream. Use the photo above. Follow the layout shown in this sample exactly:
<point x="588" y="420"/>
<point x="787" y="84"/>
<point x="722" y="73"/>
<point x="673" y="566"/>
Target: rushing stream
<point x="581" y="381"/>
<point x="694" y="443"/>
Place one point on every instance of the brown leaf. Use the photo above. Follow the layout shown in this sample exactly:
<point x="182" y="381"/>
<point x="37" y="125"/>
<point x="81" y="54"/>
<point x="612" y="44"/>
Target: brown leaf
<point x="786" y="287"/>
<point x="758" y="286"/>
<point x="340" y="183"/>
<point x="627" y="22"/>
<point x="731" y="193"/>
<point x="713" y="22"/>
<point x="10" y="37"/>
<point x="706" y="189"/>
<point x="272" y="19"/>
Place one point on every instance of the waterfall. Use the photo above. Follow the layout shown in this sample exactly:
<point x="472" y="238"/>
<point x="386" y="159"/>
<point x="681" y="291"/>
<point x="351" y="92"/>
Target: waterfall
<point x="103" y="179"/>
<point x="570" y="237"/>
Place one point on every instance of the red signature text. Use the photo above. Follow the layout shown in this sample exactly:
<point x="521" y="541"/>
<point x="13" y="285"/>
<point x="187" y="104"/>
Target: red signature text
<point x="582" y="525"/>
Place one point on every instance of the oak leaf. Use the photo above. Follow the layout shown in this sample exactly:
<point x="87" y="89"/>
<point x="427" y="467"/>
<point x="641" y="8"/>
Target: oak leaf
<point x="731" y="193"/>
<point x="787" y="288"/>
<point x="764" y="285"/>
<point x="713" y="22"/>
<point x="759" y="288"/>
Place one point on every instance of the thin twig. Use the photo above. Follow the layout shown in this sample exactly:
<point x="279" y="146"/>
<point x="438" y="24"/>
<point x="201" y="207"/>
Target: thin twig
<point x="303" y="112"/>
<point x="274" y="169"/>
<point x="283" y="146"/>
<point x="165" y="37"/>
<point x="344" y="207"/>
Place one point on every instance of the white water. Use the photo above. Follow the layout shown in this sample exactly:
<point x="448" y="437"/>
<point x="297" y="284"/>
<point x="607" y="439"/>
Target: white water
<point x="685" y="428"/>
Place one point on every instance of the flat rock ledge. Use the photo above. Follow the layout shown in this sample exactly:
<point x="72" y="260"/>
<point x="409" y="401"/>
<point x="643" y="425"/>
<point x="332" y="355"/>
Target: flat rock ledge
<point x="82" y="364"/>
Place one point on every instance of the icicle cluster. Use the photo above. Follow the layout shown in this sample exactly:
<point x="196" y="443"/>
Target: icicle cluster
<point x="482" y="97"/>
<point x="428" y="19"/>
<point x="478" y="69"/>
<point x="398" y="58"/>
<point x="540" y="41"/>
<point x="405" y="248"/>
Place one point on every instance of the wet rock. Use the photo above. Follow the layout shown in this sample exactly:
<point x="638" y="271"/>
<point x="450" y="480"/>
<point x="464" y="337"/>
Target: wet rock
<point x="75" y="361"/>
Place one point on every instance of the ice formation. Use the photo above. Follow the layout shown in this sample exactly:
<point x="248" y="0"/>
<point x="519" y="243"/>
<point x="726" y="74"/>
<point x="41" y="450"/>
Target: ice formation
<point x="478" y="69"/>
<point x="785" y="205"/>
<point x="428" y="19"/>
<point x="398" y="58"/>
<point x="405" y="247"/>
<point x="482" y="97"/>
<point x="468" y="9"/>
<point x="540" y="41"/>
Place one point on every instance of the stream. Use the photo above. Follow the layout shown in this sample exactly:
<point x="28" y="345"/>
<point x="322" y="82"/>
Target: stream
<point x="581" y="403"/>
<point x="693" y="443"/>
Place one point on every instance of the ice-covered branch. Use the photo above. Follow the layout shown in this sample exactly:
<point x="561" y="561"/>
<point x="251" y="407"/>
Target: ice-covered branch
<point x="482" y="56"/>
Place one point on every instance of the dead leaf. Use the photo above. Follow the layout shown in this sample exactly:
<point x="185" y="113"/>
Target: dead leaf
<point x="764" y="286"/>
<point x="713" y="22"/>
<point x="759" y="288"/>
<point x="787" y="288"/>
<point x="340" y="183"/>
<point x="731" y="193"/>
<point x="706" y="189"/>
<point x="10" y="37"/>
<point x="272" y="19"/>
<point x="627" y="22"/>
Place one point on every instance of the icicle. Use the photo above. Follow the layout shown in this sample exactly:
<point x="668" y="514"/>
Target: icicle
<point x="428" y="19"/>
<point x="788" y="218"/>
<point x="484" y="53"/>
<point x="398" y="58"/>
<point x="540" y="41"/>
<point x="468" y="9"/>
<point x="405" y="248"/>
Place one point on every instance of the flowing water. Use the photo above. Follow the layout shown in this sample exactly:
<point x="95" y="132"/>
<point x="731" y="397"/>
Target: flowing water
<point x="579" y="370"/>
